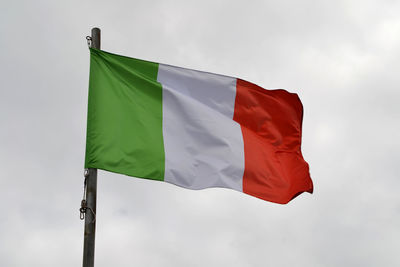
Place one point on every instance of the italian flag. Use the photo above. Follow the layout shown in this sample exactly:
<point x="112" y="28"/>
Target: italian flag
<point x="194" y="129"/>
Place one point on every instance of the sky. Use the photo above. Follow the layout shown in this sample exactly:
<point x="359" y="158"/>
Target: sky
<point x="342" y="59"/>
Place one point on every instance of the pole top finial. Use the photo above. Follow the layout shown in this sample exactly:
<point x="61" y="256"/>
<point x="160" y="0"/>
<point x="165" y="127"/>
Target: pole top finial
<point x="95" y="38"/>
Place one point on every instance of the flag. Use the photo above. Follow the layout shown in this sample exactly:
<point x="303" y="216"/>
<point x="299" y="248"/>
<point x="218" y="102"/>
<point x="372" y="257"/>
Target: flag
<point x="194" y="129"/>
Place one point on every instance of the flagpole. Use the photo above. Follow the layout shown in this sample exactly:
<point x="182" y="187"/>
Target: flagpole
<point x="91" y="193"/>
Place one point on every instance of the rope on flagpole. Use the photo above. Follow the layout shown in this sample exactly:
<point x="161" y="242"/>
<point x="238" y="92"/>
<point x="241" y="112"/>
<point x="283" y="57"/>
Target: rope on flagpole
<point x="89" y="40"/>
<point x="84" y="207"/>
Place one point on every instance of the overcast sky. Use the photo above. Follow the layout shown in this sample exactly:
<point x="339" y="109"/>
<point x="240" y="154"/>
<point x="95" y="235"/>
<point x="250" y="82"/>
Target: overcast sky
<point x="341" y="57"/>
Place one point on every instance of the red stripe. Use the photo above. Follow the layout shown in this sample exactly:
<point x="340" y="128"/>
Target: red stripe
<point x="271" y="126"/>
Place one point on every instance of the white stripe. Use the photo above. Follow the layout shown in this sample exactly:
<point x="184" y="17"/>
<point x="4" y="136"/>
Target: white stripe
<point x="203" y="145"/>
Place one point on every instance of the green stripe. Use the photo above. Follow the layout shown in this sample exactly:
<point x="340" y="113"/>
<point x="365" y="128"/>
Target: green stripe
<point x="124" y="126"/>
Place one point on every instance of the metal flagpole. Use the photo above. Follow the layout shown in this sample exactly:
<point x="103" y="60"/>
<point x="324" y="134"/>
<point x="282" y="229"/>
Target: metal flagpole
<point x="88" y="205"/>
